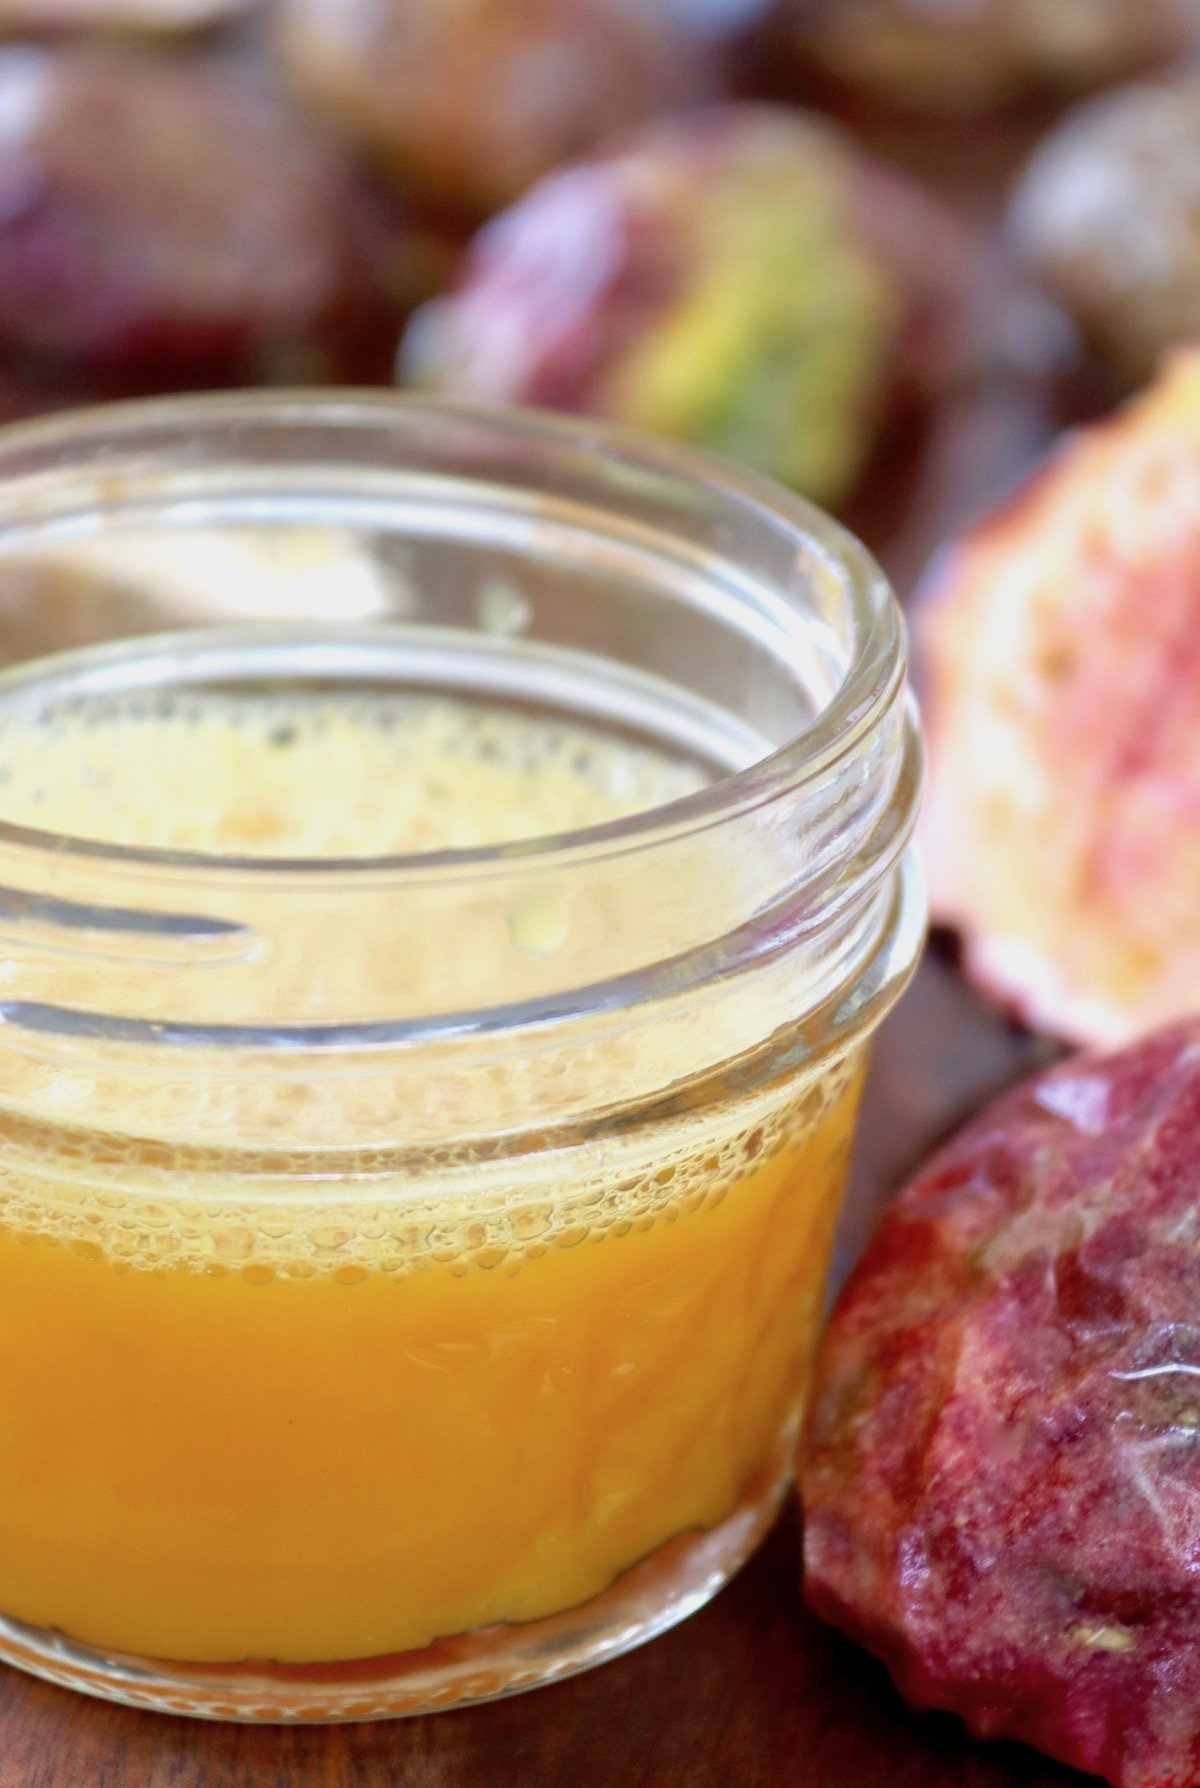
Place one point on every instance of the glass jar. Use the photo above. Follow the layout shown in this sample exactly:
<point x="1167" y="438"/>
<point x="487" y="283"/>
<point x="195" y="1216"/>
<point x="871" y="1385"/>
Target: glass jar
<point x="410" y="1261"/>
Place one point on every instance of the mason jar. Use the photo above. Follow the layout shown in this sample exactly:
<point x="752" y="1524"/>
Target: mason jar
<point x="451" y="866"/>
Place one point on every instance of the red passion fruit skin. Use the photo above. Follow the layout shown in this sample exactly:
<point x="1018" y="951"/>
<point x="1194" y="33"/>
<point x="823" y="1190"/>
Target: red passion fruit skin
<point x="1001" y="1475"/>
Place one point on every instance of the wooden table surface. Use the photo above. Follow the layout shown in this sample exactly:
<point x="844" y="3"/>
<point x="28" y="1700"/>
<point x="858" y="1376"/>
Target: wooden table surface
<point x="753" y="1690"/>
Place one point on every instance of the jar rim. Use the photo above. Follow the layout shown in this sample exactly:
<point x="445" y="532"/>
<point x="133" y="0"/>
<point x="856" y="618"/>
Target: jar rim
<point x="868" y="688"/>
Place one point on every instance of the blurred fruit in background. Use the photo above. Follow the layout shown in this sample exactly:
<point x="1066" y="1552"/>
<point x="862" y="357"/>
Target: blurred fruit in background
<point x="169" y="212"/>
<point x="1107" y="218"/>
<point x="956" y="56"/>
<point x="743" y="279"/>
<point x="465" y="102"/>
<point x="117" y="15"/>
<point x="1060" y="675"/>
<point x="722" y="21"/>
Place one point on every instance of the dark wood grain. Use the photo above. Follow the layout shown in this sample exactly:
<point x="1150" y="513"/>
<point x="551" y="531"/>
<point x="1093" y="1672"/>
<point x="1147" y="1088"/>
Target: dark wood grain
<point x="753" y="1691"/>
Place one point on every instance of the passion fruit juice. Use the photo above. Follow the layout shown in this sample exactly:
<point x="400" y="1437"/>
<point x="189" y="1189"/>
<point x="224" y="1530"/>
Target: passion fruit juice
<point x="257" y="1412"/>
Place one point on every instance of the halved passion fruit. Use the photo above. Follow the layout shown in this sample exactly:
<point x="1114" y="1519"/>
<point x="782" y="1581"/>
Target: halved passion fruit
<point x="1060" y="666"/>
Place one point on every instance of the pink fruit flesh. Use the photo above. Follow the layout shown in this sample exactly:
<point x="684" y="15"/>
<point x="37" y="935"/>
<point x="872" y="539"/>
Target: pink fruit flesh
<point x="1059" y="668"/>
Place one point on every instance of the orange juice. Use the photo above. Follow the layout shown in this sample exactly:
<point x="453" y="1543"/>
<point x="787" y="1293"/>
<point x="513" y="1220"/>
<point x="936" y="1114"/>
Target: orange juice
<point x="252" y="1408"/>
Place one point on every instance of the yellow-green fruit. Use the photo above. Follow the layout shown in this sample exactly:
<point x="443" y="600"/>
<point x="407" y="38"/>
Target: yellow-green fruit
<point x="742" y="279"/>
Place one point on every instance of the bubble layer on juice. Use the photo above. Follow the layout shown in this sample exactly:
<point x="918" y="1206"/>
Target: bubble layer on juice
<point x="470" y="1213"/>
<point x="312" y="775"/>
<point x="308" y="775"/>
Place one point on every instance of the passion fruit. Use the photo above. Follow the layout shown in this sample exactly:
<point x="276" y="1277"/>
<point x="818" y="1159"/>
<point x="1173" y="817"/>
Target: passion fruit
<point x="1059" y="661"/>
<point x="743" y="278"/>
<point x="1001" y="1476"/>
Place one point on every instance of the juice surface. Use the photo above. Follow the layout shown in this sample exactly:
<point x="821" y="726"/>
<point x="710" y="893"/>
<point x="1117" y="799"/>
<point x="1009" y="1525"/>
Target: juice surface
<point x="250" y="1412"/>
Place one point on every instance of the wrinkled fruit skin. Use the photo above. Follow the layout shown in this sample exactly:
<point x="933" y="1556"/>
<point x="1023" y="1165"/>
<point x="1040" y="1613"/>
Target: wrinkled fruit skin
<point x="1107" y="218"/>
<point x="963" y="56"/>
<point x="1001" y="1477"/>
<point x="1059" y="671"/>
<point x="160" y="211"/>
<point x="742" y="279"/>
<point x="466" y="105"/>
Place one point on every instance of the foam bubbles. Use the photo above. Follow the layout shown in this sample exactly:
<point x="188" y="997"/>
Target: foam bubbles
<point x="310" y="775"/>
<point x="154" y="1208"/>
